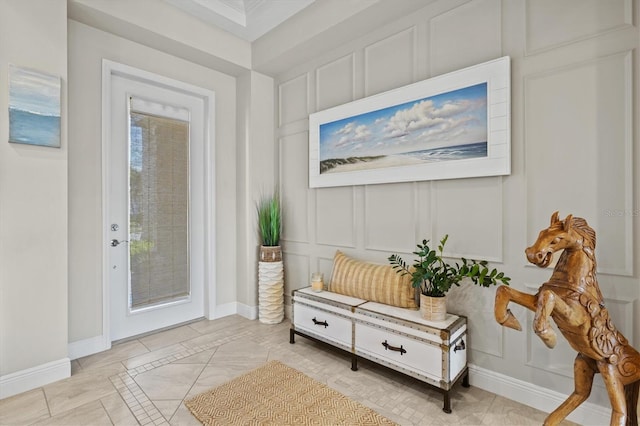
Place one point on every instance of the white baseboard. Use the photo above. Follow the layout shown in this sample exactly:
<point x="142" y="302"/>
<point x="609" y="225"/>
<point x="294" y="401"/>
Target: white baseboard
<point x="543" y="399"/>
<point x="89" y="346"/>
<point x="223" y="311"/>
<point x="233" y="308"/>
<point x="34" y="377"/>
<point x="249" y="312"/>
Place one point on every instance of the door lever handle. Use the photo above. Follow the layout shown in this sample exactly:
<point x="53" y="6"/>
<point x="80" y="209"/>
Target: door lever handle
<point x="115" y="243"/>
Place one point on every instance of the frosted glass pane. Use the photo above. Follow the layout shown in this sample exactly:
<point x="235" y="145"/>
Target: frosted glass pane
<point x="158" y="210"/>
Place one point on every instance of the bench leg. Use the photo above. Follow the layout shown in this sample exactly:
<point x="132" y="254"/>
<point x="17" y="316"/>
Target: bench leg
<point x="465" y="380"/>
<point x="447" y="398"/>
<point x="447" y="403"/>
<point x="292" y="336"/>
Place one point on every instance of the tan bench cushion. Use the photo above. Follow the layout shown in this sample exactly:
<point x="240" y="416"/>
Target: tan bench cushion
<point x="370" y="281"/>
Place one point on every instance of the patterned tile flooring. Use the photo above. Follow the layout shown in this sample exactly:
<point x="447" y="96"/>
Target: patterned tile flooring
<point x="145" y="381"/>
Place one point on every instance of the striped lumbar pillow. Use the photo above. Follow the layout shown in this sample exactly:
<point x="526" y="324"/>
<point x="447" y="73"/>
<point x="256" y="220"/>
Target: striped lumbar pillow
<point x="370" y="281"/>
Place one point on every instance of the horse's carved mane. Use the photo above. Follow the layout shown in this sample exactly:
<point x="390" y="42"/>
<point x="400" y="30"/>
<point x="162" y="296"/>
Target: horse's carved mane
<point x="580" y="226"/>
<point x="587" y="232"/>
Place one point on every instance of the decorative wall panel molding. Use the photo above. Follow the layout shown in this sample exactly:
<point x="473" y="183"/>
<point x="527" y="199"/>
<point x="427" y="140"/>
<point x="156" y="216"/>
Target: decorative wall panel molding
<point x="466" y="35"/>
<point x="335" y="83"/>
<point x="599" y="174"/>
<point x="477" y="235"/>
<point x="391" y="62"/>
<point x="573" y="20"/>
<point x="293" y="100"/>
<point x="395" y="232"/>
<point x="293" y="186"/>
<point x="335" y="216"/>
<point x="297" y="273"/>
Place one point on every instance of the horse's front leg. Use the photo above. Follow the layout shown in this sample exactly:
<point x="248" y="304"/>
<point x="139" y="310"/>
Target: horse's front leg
<point x="503" y="315"/>
<point x="550" y="303"/>
<point x="547" y="300"/>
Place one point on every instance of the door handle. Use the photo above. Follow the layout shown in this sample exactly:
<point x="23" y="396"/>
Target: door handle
<point x="116" y="243"/>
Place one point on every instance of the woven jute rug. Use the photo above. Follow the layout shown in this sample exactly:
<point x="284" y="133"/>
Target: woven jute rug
<point x="276" y="394"/>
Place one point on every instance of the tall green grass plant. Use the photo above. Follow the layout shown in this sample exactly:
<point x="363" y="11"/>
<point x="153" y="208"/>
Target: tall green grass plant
<point x="270" y="219"/>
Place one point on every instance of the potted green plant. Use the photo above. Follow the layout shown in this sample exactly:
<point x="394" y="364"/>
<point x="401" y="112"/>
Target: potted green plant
<point x="270" y="266"/>
<point x="435" y="277"/>
<point x="270" y="226"/>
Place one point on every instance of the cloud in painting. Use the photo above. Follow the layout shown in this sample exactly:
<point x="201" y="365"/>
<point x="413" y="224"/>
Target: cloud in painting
<point x="454" y="118"/>
<point x="34" y="92"/>
<point x="352" y="134"/>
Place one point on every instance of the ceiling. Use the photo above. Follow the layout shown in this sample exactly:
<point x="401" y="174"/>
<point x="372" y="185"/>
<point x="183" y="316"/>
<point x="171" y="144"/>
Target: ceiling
<point x="247" y="19"/>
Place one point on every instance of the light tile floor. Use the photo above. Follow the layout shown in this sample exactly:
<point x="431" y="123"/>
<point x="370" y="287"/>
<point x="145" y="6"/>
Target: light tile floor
<point x="145" y="381"/>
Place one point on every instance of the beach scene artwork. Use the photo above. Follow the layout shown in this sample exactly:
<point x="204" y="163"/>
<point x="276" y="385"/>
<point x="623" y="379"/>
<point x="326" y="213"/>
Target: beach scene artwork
<point x="34" y="108"/>
<point x="445" y="127"/>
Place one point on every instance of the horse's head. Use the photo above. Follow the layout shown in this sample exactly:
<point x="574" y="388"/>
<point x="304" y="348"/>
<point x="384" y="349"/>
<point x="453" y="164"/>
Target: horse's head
<point x="558" y="236"/>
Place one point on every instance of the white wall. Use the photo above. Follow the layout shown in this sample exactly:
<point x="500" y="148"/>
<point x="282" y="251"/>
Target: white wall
<point x="256" y="169"/>
<point x="33" y="210"/>
<point x="87" y="47"/>
<point x="574" y="149"/>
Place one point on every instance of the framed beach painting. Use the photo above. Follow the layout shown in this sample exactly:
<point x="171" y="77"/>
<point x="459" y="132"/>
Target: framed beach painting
<point x="456" y="125"/>
<point x="34" y="107"/>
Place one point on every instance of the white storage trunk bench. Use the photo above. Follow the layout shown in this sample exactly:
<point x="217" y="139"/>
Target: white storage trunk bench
<point x="397" y="338"/>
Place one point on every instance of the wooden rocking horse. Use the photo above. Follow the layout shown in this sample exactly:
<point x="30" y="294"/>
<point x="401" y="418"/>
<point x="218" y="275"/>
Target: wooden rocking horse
<point x="573" y="299"/>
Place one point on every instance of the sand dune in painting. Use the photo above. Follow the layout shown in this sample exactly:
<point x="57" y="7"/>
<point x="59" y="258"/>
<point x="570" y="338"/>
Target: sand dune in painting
<point x="351" y="164"/>
<point x="457" y="152"/>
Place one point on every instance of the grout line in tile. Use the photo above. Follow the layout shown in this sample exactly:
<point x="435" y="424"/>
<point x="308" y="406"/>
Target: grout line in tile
<point x="106" y="411"/>
<point x="46" y="401"/>
<point x="137" y="401"/>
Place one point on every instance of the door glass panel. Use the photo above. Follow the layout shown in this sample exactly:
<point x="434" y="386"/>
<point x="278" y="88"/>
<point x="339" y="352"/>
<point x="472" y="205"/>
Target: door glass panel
<point x="158" y="210"/>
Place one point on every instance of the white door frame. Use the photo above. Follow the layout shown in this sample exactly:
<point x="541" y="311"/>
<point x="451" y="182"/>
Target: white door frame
<point x="110" y="68"/>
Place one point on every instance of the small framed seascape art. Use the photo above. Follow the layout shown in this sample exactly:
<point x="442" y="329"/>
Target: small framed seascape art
<point x="456" y="125"/>
<point x="34" y="107"/>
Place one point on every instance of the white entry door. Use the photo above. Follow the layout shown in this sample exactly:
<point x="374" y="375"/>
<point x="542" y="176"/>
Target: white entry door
<point x="156" y="206"/>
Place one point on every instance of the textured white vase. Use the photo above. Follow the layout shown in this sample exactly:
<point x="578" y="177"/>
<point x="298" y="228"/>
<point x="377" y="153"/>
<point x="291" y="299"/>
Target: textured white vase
<point x="270" y="292"/>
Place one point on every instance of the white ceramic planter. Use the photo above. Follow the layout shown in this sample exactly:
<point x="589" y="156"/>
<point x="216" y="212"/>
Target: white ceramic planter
<point x="270" y="292"/>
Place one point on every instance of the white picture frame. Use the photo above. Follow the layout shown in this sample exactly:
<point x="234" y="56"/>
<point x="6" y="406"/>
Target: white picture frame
<point x="429" y="130"/>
